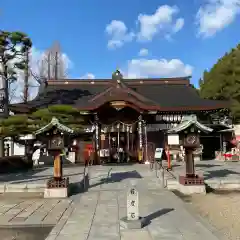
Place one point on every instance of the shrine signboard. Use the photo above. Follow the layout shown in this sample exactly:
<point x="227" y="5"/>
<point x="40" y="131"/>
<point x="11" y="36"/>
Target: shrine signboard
<point x="132" y="204"/>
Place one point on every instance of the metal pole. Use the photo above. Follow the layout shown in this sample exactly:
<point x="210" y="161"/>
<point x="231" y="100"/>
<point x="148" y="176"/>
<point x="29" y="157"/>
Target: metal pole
<point x="162" y="176"/>
<point x="156" y="168"/>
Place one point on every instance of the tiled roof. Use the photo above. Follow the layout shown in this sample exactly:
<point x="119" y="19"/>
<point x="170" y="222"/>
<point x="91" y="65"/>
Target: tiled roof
<point x="168" y="94"/>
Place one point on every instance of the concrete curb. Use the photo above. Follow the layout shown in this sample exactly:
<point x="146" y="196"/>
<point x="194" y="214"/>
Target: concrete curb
<point x="24" y="225"/>
<point x="22" y="188"/>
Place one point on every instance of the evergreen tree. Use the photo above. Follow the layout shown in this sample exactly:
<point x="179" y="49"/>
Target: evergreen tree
<point x="13" y="49"/>
<point x="19" y="124"/>
<point x="222" y="82"/>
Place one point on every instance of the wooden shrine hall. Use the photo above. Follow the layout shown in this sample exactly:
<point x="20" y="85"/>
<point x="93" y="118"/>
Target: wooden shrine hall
<point x="125" y="118"/>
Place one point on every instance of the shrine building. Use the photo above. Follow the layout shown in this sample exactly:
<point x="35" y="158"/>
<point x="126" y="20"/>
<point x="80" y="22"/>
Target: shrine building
<point x="127" y="119"/>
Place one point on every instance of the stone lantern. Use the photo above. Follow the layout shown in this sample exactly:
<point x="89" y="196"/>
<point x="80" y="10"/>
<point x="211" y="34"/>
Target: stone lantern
<point x="189" y="130"/>
<point x="55" y="134"/>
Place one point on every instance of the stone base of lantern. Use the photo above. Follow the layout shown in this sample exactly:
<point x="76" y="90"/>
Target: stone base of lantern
<point x="191" y="185"/>
<point x="57" y="188"/>
<point x="191" y="180"/>
<point x="133" y="224"/>
<point x="58" y="183"/>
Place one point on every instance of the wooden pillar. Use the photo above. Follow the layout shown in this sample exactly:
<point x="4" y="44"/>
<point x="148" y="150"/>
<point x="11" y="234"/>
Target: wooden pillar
<point x="109" y="146"/>
<point x="97" y="140"/>
<point x="145" y="142"/>
<point x="128" y="139"/>
<point x="221" y="142"/>
<point x="118" y="141"/>
<point x="57" y="169"/>
<point x="131" y="137"/>
<point x="140" y="139"/>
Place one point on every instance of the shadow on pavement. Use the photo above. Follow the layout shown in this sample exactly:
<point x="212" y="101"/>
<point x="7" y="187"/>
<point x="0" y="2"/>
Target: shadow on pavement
<point x="18" y="176"/>
<point x="202" y="165"/>
<point x="78" y="187"/>
<point x="119" y="176"/>
<point x="220" y="173"/>
<point x="157" y="214"/>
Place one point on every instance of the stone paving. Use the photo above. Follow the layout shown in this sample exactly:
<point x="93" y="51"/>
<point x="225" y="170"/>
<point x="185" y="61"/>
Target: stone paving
<point x="97" y="212"/>
<point x="32" y="212"/>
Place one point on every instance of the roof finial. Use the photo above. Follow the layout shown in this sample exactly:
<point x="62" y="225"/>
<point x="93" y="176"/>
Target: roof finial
<point x="117" y="75"/>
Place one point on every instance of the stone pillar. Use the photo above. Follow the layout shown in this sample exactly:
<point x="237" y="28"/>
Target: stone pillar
<point x="190" y="170"/>
<point x="132" y="220"/>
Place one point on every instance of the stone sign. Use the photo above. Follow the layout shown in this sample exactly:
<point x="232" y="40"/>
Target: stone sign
<point x="132" y="204"/>
<point x="132" y="220"/>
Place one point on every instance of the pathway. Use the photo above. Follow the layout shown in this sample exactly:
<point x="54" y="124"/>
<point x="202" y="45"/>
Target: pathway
<point x="96" y="213"/>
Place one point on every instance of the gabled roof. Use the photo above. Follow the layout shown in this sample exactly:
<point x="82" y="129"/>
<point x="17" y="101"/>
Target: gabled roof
<point x="54" y="123"/>
<point x="116" y="93"/>
<point x="187" y="122"/>
<point x="162" y="94"/>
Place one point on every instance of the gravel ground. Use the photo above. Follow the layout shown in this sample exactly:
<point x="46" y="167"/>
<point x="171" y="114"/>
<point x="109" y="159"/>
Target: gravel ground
<point x="222" y="211"/>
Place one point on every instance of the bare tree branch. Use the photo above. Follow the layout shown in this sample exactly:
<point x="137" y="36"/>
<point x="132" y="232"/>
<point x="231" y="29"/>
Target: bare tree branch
<point x="52" y="65"/>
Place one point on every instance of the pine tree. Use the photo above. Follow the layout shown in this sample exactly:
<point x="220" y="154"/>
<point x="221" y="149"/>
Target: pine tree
<point x="222" y="82"/>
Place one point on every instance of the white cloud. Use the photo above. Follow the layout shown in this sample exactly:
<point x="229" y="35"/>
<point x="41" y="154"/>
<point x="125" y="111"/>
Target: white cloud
<point x="143" y="67"/>
<point x="161" y="21"/>
<point x="88" y="76"/>
<point x="118" y="33"/>
<point x="178" y="25"/>
<point x="143" y="52"/>
<point x="216" y="15"/>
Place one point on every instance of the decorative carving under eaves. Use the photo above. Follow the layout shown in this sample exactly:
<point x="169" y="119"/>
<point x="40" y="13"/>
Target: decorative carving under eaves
<point x="221" y="119"/>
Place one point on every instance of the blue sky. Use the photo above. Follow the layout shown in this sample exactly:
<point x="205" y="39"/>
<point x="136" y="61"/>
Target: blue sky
<point x="178" y="37"/>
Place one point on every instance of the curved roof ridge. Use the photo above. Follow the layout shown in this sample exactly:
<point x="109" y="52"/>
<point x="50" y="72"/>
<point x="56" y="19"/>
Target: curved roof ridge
<point x="109" y="80"/>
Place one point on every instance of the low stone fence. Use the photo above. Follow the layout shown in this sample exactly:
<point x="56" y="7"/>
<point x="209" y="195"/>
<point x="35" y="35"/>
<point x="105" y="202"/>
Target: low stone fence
<point x="216" y="184"/>
<point x="223" y="184"/>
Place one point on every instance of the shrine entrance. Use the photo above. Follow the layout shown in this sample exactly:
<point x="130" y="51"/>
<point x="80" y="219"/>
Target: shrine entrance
<point x="120" y="141"/>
